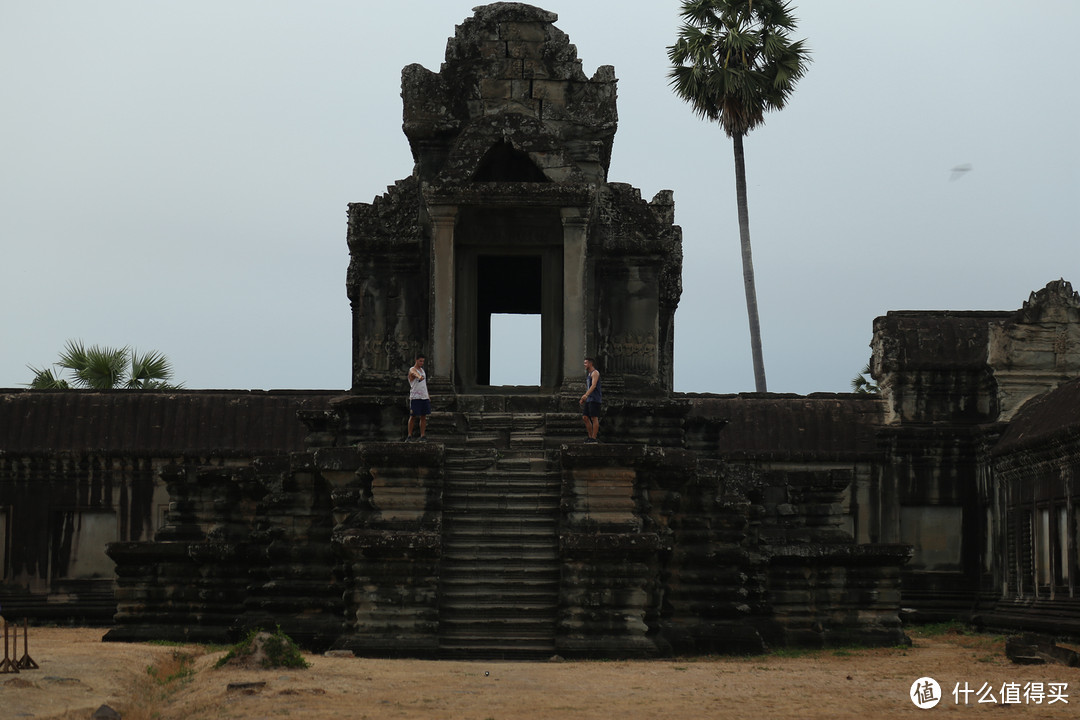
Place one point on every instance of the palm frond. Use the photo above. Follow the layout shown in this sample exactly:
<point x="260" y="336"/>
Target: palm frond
<point x="104" y="368"/>
<point x="863" y="382"/>
<point x="44" y="379"/>
<point x="734" y="60"/>
<point x="149" y="370"/>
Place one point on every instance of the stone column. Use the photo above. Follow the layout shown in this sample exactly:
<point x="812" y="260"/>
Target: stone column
<point x="575" y="231"/>
<point x="443" y="291"/>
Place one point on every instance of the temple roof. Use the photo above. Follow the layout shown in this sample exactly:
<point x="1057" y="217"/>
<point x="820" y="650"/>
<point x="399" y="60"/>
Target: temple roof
<point x="190" y="422"/>
<point x="1051" y="417"/>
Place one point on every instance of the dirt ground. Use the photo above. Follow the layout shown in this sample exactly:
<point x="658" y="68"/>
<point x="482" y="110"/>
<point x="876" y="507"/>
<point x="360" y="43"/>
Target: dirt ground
<point x="78" y="673"/>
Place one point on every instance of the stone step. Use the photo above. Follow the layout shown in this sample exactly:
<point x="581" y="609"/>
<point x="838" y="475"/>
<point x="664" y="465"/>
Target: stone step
<point x="538" y="589"/>
<point x="498" y="633"/>
<point x="527" y="502"/>
<point x="481" y="609"/>
<point x="527" y="462"/>
<point x="522" y="649"/>
<point x="511" y="477"/>
<point x="497" y="497"/>
<point x="493" y="527"/>
<point x="468" y="536"/>
<point x="456" y="567"/>
<point x="529" y="441"/>
<point x="528" y="505"/>
<point x="470" y="462"/>
<point x="461" y="515"/>
<point x="488" y="628"/>
<point x="500" y="555"/>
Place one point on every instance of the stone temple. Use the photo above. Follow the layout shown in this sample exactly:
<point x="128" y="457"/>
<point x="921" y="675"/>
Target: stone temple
<point x="701" y="523"/>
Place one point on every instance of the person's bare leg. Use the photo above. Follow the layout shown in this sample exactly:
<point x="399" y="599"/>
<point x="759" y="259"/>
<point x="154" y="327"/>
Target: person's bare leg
<point x="412" y="422"/>
<point x="423" y="426"/>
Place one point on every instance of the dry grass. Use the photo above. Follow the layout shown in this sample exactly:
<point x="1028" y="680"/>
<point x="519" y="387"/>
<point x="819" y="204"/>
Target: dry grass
<point x="154" y="682"/>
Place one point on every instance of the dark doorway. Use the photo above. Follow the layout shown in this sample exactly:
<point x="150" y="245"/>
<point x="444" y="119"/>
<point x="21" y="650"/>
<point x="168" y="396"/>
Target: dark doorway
<point x="508" y="261"/>
<point x="504" y="284"/>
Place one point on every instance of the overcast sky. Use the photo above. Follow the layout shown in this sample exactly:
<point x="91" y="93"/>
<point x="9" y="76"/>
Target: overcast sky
<point x="174" y="176"/>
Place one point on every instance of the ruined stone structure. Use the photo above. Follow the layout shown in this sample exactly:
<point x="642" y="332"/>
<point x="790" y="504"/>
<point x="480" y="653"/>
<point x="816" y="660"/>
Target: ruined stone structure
<point x="960" y="440"/>
<point x="505" y="536"/>
<point x="509" y="210"/>
<point x="702" y="523"/>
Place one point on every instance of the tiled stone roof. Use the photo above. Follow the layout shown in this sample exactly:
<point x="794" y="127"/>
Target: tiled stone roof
<point x="218" y="421"/>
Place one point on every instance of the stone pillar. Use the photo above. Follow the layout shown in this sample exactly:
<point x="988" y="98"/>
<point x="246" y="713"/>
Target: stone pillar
<point x="575" y="231"/>
<point x="443" y="291"/>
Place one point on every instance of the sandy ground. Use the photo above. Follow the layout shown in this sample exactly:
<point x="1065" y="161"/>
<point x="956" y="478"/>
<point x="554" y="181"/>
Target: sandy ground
<point x="78" y="673"/>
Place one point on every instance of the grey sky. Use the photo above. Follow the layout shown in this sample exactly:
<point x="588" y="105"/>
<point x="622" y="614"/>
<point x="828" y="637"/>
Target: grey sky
<point x="175" y="176"/>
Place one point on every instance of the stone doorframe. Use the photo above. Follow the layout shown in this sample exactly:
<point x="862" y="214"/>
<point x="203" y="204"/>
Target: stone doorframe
<point x="444" y="213"/>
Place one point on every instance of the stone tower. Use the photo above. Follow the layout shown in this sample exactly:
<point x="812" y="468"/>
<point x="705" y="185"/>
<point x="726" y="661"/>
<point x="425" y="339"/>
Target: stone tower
<point x="509" y="210"/>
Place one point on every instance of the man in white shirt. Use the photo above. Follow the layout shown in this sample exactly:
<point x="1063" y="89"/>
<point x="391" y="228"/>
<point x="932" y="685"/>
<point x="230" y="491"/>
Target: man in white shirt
<point x="419" y="400"/>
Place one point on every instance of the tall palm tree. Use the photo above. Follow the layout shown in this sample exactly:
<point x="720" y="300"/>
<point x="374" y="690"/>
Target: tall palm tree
<point x="733" y="62"/>
<point x="104" y="368"/>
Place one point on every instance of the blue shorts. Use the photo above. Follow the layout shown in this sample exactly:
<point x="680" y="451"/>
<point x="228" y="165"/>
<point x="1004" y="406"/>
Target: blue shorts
<point x="418" y="407"/>
<point x="590" y="409"/>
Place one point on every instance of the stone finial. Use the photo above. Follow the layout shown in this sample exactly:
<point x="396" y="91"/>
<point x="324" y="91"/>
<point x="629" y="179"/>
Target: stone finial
<point x="1057" y="302"/>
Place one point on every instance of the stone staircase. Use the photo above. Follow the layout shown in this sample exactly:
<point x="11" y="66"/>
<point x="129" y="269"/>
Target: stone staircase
<point x="500" y="569"/>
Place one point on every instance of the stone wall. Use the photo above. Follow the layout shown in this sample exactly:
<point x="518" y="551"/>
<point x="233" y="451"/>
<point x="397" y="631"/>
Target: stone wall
<point x="81" y="469"/>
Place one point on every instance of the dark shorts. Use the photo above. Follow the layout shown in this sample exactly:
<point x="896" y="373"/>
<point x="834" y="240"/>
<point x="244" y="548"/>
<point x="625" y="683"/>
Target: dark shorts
<point x="590" y="409"/>
<point x="419" y="407"/>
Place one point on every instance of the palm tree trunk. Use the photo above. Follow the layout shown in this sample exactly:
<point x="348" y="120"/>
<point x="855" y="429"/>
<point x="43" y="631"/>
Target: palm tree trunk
<point x="748" y="265"/>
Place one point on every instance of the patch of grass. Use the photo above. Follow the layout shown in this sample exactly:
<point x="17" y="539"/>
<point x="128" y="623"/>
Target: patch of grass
<point x="793" y="652"/>
<point x="278" y="649"/>
<point x="951" y="627"/>
<point x="177" y="668"/>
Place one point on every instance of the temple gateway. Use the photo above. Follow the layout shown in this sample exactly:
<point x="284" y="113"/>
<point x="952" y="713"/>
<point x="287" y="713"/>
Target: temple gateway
<point x="702" y="523"/>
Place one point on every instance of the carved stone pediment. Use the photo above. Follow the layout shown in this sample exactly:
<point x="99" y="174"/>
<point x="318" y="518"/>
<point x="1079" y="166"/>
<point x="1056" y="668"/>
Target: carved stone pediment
<point x="1055" y="303"/>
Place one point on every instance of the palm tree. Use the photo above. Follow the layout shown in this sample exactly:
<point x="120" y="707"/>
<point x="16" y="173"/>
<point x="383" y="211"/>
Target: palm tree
<point x="104" y="368"/>
<point x="864" y="382"/>
<point x="733" y="62"/>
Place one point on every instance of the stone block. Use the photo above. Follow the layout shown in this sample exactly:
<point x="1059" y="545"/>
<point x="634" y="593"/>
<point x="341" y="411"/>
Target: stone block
<point x="522" y="49"/>
<point x="552" y="91"/>
<point x="533" y="68"/>
<point x="493" y="49"/>
<point x="530" y="32"/>
<point x="521" y="89"/>
<point x="496" y="89"/>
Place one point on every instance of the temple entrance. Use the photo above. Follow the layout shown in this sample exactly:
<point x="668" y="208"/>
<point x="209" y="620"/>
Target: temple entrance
<point x="505" y="285"/>
<point x="497" y="275"/>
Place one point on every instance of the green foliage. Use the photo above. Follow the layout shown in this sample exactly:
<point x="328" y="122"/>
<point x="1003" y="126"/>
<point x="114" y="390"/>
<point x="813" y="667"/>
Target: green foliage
<point x="734" y="60"/>
<point x="104" y="368"/>
<point x="178" y="668"/>
<point x="863" y="383"/>
<point x="951" y="627"/>
<point x="279" y="651"/>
